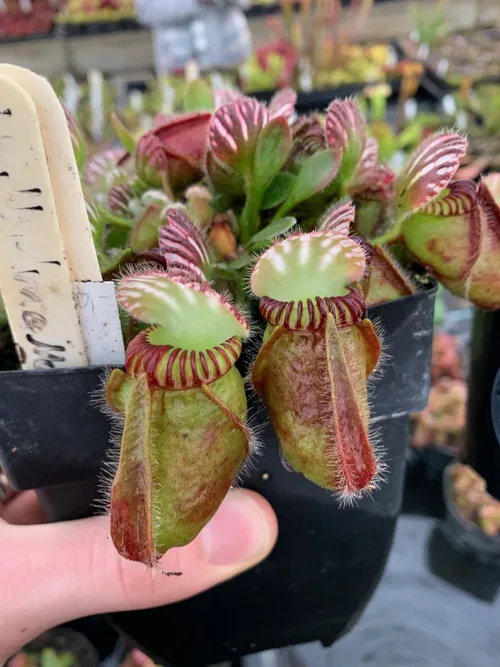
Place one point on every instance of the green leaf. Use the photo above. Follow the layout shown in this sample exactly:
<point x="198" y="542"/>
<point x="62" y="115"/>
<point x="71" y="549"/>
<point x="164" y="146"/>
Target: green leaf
<point x="277" y="227"/>
<point x="198" y="96"/>
<point x="221" y="203"/>
<point x="50" y="658"/>
<point x="125" y="137"/>
<point x="316" y="174"/>
<point x="109" y="265"/>
<point x="278" y="190"/>
<point x="116" y="220"/>
<point x="239" y="262"/>
<point x="222" y="272"/>
<point x="272" y="149"/>
<point x="145" y="233"/>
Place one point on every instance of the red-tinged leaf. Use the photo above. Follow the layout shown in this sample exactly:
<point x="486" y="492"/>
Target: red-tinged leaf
<point x="339" y="218"/>
<point x="346" y="134"/>
<point x="482" y="284"/>
<point x="131" y="508"/>
<point x="183" y="246"/>
<point x="234" y="130"/>
<point x="308" y="138"/>
<point x="185" y="135"/>
<point x="445" y="236"/>
<point x="386" y="281"/>
<point x="282" y="105"/>
<point x="344" y="121"/>
<point x="224" y="178"/>
<point x="372" y="348"/>
<point x="119" y="197"/>
<point x="184" y="142"/>
<point x="379" y="180"/>
<point x="428" y="171"/>
<point x="368" y="161"/>
<point x="151" y="160"/>
<point x="99" y="166"/>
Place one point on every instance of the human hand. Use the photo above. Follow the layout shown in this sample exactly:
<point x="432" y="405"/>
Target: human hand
<point x="53" y="573"/>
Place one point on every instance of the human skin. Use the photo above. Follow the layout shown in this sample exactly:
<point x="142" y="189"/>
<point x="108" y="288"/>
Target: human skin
<point x="53" y="573"/>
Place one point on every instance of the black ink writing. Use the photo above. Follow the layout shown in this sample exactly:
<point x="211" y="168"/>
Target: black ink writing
<point x="22" y="278"/>
<point x="29" y="294"/>
<point x="45" y="351"/>
<point x="39" y="343"/>
<point x="34" y="321"/>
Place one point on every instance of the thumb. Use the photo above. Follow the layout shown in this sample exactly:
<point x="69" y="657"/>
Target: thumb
<point x="50" y="574"/>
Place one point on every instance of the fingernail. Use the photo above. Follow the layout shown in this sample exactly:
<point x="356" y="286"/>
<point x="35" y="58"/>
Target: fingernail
<point x="239" y="531"/>
<point x="138" y="657"/>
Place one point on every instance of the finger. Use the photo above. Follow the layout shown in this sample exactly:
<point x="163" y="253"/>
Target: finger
<point x="137" y="658"/>
<point x="24" y="509"/>
<point x="53" y="573"/>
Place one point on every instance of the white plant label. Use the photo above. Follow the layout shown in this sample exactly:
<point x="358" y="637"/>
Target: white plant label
<point x="449" y="105"/>
<point x="70" y="204"/>
<point x="100" y="322"/>
<point x="96" y="101"/>
<point x="442" y="67"/>
<point x="136" y="100"/>
<point x="34" y="273"/>
<point x="72" y="93"/>
<point x="410" y="109"/>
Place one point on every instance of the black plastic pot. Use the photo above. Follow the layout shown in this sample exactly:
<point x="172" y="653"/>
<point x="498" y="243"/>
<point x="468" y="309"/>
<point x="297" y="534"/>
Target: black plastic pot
<point x="327" y="562"/>
<point x="464" y="535"/>
<point x="483" y="427"/>
<point x="318" y="100"/>
<point x="432" y="460"/>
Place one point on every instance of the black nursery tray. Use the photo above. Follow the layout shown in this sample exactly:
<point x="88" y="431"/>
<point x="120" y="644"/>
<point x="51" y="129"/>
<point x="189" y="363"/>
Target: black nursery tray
<point x="435" y="85"/>
<point x="262" y="10"/>
<point x="36" y="37"/>
<point x="87" y="28"/>
<point x="327" y="562"/>
<point x="318" y="100"/>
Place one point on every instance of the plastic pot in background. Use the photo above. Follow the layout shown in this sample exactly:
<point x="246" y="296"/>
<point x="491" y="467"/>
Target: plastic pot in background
<point x="464" y="535"/>
<point x="65" y="641"/>
<point x="328" y="561"/>
<point x="432" y="460"/>
<point x="483" y="428"/>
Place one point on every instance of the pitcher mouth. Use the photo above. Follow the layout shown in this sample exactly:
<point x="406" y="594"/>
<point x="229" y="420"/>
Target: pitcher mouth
<point x="195" y="334"/>
<point x="171" y="367"/>
<point x="310" y="314"/>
